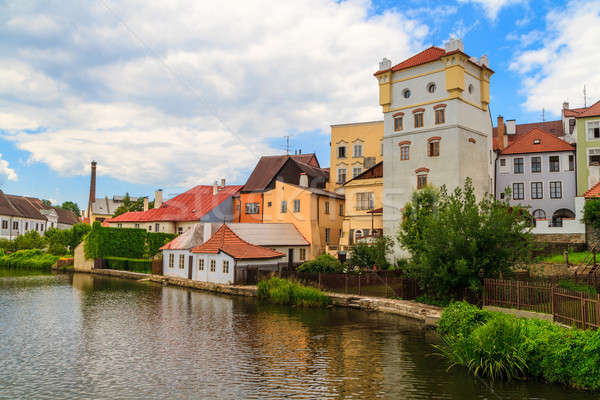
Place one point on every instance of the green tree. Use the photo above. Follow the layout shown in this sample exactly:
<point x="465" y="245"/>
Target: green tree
<point x="29" y="240"/>
<point x="322" y="263"/>
<point x="129" y="205"/>
<point x="368" y="255"/>
<point x="46" y="202"/>
<point x="71" y="206"/>
<point x="455" y="241"/>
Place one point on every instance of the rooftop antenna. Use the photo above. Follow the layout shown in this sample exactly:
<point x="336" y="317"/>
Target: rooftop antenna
<point x="543" y="115"/>
<point x="287" y="144"/>
<point x="584" y="97"/>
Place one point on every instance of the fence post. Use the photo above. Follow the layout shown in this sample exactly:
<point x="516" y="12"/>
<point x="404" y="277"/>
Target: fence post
<point x="552" y="301"/>
<point x="319" y="280"/>
<point x="598" y="310"/>
<point x="518" y="295"/>
<point x="583" y="310"/>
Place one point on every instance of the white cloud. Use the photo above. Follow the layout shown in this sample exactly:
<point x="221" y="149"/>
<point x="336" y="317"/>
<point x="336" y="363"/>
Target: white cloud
<point x="188" y="92"/>
<point x="565" y="61"/>
<point x="493" y="7"/>
<point x="6" y="170"/>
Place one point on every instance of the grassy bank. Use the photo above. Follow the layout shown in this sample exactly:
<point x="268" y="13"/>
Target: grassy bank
<point x="283" y="291"/>
<point x="28" y="259"/>
<point x="575" y="257"/>
<point x="500" y="346"/>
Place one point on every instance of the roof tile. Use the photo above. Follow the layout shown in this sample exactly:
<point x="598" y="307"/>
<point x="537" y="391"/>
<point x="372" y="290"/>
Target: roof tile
<point x="547" y="143"/>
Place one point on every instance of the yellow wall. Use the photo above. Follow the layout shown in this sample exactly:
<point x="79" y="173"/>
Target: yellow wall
<point x="311" y="221"/>
<point x="371" y="134"/>
<point x="101" y="216"/>
<point x="361" y="219"/>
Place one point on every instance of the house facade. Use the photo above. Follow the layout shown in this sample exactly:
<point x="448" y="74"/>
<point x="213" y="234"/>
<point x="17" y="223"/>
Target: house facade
<point x="363" y="206"/>
<point x="437" y="126"/>
<point x="539" y="169"/>
<point x="355" y="147"/>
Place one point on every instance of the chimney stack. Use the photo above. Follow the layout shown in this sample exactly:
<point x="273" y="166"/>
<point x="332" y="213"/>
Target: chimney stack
<point x="501" y="137"/>
<point x="158" y="199"/>
<point x="92" y="188"/>
<point x="223" y="182"/>
<point x="385" y="64"/>
<point x="566" y="105"/>
<point x="145" y="204"/>
<point x="511" y="127"/>
<point x="303" y="179"/>
<point x="215" y="188"/>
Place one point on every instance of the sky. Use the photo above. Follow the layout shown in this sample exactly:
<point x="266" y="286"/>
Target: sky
<point x="174" y="93"/>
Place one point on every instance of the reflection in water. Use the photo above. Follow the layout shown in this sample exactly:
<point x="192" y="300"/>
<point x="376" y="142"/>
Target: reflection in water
<point x="85" y="336"/>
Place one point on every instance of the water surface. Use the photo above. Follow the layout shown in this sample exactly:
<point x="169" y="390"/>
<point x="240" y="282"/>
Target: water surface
<point x="86" y="336"/>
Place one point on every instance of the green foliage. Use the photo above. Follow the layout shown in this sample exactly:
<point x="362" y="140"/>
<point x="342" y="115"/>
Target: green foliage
<point x="57" y="249"/>
<point x="433" y="302"/>
<point x="129" y="264"/>
<point x="575" y="257"/>
<point x="577" y="287"/>
<point x="104" y="242"/>
<point x="283" y="291"/>
<point x="7" y="245"/>
<point x="456" y="241"/>
<point x="129" y="205"/>
<point x="69" y="238"/>
<point x="28" y="259"/>
<point x="591" y="213"/>
<point x="322" y="263"/>
<point x="367" y="255"/>
<point x="71" y="206"/>
<point x="500" y="346"/>
<point x="29" y="240"/>
<point x="47" y="203"/>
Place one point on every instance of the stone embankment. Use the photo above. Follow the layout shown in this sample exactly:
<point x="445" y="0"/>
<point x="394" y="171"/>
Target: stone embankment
<point x="428" y="315"/>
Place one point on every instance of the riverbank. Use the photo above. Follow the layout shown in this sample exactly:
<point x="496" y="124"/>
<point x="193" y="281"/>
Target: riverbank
<point x="424" y="313"/>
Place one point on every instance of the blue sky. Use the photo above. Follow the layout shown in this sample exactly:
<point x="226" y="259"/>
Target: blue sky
<point x="174" y="94"/>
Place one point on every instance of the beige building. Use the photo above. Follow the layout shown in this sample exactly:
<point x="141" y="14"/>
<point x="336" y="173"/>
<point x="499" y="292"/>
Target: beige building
<point x="364" y="202"/>
<point x="355" y="148"/>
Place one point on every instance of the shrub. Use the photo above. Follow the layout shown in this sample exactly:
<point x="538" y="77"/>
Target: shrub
<point x="129" y="264"/>
<point x="29" y="240"/>
<point x="461" y="318"/>
<point x="57" y="249"/>
<point x="28" y="259"/>
<point x="577" y="287"/>
<point x="367" y="255"/>
<point x="322" y="263"/>
<point x="283" y="291"/>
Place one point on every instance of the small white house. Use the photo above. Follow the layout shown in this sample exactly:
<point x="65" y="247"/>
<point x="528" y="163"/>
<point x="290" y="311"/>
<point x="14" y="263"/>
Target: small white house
<point x="177" y="255"/>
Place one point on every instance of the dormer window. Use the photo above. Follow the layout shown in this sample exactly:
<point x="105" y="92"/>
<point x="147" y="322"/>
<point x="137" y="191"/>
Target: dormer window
<point x="536" y="141"/>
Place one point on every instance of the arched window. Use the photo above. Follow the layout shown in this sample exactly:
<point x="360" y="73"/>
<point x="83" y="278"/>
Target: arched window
<point x="538" y="215"/>
<point x="358" y="234"/>
<point x="559" y="215"/>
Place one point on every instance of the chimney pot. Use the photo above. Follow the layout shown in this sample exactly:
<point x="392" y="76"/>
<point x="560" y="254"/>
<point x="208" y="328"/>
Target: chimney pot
<point x="454" y="44"/>
<point x="158" y="199"/>
<point x="566" y="105"/>
<point x="215" y="188"/>
<point x="223" y="182"/>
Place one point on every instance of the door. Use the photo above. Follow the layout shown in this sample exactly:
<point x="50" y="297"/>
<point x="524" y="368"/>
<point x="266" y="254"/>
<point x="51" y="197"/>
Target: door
<point x="190" y="266"/>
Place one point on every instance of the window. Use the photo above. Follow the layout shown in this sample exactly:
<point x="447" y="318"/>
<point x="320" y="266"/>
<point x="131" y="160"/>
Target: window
<point x="555" y="190"/>
<point x="554" y="164"/>
<point x="15" y="224"/>
<point x="431" y="88"/>
<point x="594" y="157"/>
<point x="326" y="207"/>
<point x="36" y="227"/>
<point x="171" y="260"/>
<point x="327" y="235"/>
<point x="302" y="255"/>
<point x="341" y="175"/>
<point x="404" y="152"/>
<point x="406" y="93"/>
<point x="213" y="265"/>
<point x="4" y="224"/>
<point x="181" y="261"/>
<point x="342" y="152"/>
<point x="593" y="129"/>
<point x="26" y="226"/>
<point x="357" y="150"/>
<point x="397" y="123"/>
<point x="156" y="227"/>
<point x="421" y="181"/>
<point x="537" y="190"/>
<point x="201" y="264"/>
<point x="296" y="206"/>
<point x="434" y="148"/>
<point x="269" y="204"/>
<point x="470" y="88"/>
<point x="571" y="163"/>
<point x="252" y="208"/>
<point x="518" y="165"/>
<point x="503" y="162"/>
<point x="364" y="201"/>
<point x="119" y="225"/>
<point x="440" y="116"/>
<point x="225" y="266"/>
<point x="137" y="226"/>
<point x="536" y="164"/>
<point x="539" y="214"/>
<point x="179" y="230"/>
<point x="341" y="210"/>
<point x="149" y="228"/>
<point x="356" y="171"/>
<point x="518" y="191"/>
<point x="418" y="120"/>
<point x="283" y="207"/>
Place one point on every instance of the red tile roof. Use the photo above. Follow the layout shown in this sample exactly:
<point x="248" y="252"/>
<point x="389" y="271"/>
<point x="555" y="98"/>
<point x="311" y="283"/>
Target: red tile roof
<point x="553" y="127"/>
<point x="547" y="142"/>
<point x="228" y="242"/>
<point x="189" y="206"/>
<point x="431" y="54"/>
<point x="591" y="111"/>
<point x="592" y="192"/>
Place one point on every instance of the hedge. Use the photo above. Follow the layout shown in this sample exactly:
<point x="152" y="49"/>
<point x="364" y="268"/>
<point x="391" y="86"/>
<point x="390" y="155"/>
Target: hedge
<point x="103" y="242"/>
<point x="28" y="259"/>
<point x="129" y="264"/>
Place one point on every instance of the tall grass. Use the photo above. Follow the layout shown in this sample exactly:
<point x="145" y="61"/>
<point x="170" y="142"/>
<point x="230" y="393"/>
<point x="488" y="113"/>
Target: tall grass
<point x="28" y="259"/>
<point x="575" y="257"/>
<point x="283" y="291"/>
<point x="501" y="347"/>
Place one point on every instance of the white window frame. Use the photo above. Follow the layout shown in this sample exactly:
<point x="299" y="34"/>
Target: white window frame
<point x="171" y="260"/>
<point x="587" y="129"/>
<point x="213" y="265"/>
<point x="200" y="264"/>
<point x="181" y="262"/>
<point x="357" y="150"/>
<point x="356" y="171"/>
<point x="339" y="175"/>
<point x="595" y="150"/>
<point x="225" y="266"/>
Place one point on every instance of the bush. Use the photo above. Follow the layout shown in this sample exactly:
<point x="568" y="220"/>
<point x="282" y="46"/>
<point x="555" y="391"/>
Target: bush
<point x="283" y="291"/>
<point x="322" y="263"/>
<point x="28" y="259"/>
<point x="368" y="255"/>
<point x="577" y="287"/>
<point x="57" y="249"/>
<point x="500" y="346"/>
<point x="129" y="264"/>
<point x="29" y="240"/>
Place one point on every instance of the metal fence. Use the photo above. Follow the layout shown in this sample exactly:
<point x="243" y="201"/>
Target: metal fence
<point x="566" y="306"/>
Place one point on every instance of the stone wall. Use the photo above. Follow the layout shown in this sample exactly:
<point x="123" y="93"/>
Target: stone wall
<point x="80" y="263"/>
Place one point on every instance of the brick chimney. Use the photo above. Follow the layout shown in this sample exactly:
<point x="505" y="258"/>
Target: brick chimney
<point x="145" y="204"/>
<point x="158" y="200"/>
<point x="215" y="188"/>
<point x="92" y="188"/>
<point x="501" y="137"/>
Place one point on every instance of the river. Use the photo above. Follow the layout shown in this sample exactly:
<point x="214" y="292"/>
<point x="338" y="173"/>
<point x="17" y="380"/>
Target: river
<point x="85" y="336"/>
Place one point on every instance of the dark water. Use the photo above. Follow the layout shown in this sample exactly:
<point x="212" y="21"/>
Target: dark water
<point x="83" y="336"/>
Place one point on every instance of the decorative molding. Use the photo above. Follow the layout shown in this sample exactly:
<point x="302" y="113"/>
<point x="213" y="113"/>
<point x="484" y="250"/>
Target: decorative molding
<point x="418" y="75"/>
<point x="418" y="110"/>
<point x="434" y="138"/>
<point x="471" y="140"/>
<point x="398" y="114"/>
<point x="422" y="169"/>
<point x="404" y="142"/>
<point x="418" y="104"/>
<point x="443" y="127"/>
<point x="443" y="105"/>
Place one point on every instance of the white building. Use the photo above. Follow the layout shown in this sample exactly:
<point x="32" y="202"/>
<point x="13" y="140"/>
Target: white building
<point x="437" y="126"/>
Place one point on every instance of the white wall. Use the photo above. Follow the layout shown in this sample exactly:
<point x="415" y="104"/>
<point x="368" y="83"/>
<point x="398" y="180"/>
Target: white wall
<point x="13" y="233"/>
<point x="217" y="276"/>
<point x="176" y="271"/>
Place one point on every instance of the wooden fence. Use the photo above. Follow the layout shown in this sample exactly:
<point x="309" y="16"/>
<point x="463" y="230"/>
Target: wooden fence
<point x="566" y="306"/>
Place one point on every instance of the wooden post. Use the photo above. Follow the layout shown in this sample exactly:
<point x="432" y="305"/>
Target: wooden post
<point x="518" y="295"/>
<point x="583" y="310"/>
<point x="598" y="311"/>
<point x="552" y="301"/>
